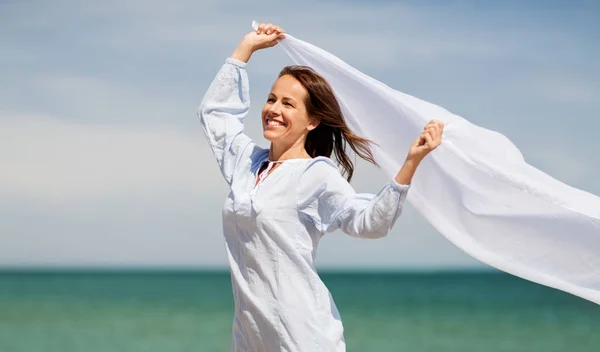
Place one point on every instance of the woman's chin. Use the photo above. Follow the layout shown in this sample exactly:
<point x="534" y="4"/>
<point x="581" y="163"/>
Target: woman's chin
<point x="270" y="135"/>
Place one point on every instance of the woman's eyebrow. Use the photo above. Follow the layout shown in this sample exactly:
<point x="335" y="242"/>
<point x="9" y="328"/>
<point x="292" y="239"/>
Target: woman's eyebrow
<point x="283" y="98"/>
<point x="289" y="98"/>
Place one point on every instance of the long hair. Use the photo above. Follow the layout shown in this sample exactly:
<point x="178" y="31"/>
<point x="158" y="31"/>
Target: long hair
<point x="332" y="135"/>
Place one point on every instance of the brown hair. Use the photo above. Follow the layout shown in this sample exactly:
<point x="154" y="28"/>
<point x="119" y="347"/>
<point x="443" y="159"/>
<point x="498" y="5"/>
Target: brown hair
<point x="332" y="134"/>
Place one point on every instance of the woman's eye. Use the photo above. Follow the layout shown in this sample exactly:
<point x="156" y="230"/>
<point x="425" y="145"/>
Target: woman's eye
<point x="270" y="100"/>
<point x="286" y="103"/>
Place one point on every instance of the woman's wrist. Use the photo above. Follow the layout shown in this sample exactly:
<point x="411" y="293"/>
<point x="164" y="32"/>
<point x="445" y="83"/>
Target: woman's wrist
<point x="243" y="52"/>
<point x="407" y="171"/>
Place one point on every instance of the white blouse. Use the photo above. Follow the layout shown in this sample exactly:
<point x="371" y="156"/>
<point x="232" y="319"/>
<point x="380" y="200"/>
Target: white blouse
<point x="272" y="229"/>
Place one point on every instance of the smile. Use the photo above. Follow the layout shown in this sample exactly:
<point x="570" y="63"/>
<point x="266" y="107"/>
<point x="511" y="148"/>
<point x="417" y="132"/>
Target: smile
<point x="275" y="123"/>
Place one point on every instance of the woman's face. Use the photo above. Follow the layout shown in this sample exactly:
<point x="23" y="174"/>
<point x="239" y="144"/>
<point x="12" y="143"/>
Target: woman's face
<point x="284" y="115"/>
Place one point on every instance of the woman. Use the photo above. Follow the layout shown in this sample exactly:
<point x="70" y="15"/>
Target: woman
<point x="283" y="199"/>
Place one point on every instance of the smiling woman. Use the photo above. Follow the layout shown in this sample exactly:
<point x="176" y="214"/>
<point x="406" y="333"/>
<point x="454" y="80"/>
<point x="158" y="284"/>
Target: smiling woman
<point x="307" y="103"/>
<point x="285" y="198"/>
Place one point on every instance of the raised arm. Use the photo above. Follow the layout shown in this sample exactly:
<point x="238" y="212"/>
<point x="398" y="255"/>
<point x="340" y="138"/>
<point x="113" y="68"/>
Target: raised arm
<point x="430" y="138"/>
<point x="222" y="113"/>
<point x="227" y="101"/>
<point x="329" y="201"/>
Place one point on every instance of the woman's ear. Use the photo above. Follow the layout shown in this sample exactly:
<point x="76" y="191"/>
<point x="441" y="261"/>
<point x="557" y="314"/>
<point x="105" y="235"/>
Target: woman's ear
<point x="313" y="123"/>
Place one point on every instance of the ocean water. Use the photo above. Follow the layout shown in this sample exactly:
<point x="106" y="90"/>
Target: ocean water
<point x="192" y="311"/>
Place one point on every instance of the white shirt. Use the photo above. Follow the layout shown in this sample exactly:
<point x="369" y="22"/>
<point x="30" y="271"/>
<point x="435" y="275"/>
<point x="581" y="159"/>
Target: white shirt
<point x="272" y="230"/>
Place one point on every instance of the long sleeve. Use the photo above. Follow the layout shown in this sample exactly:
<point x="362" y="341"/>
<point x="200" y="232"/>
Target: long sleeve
<point x="222" y="113"/>
<point x="331" y="203"/>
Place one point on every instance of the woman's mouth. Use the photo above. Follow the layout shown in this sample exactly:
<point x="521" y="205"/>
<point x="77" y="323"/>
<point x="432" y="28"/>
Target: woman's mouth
<point x="274" y="123"/>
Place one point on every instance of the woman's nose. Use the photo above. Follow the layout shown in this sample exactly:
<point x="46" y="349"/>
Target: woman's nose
<point x="275" y="108"/>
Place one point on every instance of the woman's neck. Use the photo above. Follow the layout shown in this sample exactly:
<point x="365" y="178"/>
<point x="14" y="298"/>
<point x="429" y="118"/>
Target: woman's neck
<point x="277" y="153"/>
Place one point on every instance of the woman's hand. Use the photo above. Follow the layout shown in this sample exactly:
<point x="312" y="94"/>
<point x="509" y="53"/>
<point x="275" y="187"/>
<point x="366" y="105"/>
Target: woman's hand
<point x="430" y="139"/>
<point x="265" y="36"/>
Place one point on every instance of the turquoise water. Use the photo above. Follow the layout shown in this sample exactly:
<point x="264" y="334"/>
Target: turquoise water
<point x="192" y="311"/>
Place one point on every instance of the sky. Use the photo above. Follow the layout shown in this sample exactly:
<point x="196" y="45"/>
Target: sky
<point x="103" y="163"/>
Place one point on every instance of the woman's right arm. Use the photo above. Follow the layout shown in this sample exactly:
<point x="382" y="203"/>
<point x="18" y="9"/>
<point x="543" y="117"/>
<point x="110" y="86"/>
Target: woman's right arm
<point x="222" y="113"/>
<point x="227" y="101"/>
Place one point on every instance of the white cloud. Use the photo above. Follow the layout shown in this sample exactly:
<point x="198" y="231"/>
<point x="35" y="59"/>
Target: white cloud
<point x="47" y="157"/>
<point x="100" y="101"/>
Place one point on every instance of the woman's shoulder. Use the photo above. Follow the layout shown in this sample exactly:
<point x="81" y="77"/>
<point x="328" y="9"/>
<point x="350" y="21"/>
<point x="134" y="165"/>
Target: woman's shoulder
<point x="321" y="170"/>
<point x="321" y="177"/>
<point x="321" y="164"/>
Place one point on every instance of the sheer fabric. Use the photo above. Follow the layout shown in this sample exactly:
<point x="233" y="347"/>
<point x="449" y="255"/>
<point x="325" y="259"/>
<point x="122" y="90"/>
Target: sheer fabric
<point x="476" y="188"/>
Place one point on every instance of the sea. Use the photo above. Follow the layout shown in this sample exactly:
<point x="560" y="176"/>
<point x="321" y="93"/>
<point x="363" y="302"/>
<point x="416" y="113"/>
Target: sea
<point x="93" y="311"/>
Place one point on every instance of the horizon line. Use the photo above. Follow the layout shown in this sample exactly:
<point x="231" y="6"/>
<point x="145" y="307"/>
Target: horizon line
<point x="225" y="270"/>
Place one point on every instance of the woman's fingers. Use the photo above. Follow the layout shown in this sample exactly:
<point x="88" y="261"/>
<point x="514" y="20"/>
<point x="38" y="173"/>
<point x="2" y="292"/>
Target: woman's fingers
<point x="432" y="138"/>
<point x="433" y="131"/>
<point x="268" y="29"/>
<point x="417" y="142"/>
<point x="267" y="35"/>
<point x="428" y="140"/>
<point x="435" y="123"/>
<point x="436" y="128"/>
<point x="277" y="29"/>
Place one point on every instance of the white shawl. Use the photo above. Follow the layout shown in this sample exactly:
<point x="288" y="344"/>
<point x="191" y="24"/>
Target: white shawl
<point x="475" y="188"/>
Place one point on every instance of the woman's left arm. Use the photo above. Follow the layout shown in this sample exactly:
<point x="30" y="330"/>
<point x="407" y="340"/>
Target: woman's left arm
<point x="331" y="203"/>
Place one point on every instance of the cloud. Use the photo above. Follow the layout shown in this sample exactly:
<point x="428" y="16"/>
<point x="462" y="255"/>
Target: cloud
<point x="47" y="157"/>
<point x="94" y="100"/>
<point x="168" y="229"/>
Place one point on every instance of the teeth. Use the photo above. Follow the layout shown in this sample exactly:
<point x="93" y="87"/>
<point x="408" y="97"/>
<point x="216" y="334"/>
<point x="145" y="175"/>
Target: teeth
<point x="273" y="123"/>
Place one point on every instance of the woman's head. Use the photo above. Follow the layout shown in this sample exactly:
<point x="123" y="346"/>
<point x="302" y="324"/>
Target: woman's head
<point x="302" y="108"/>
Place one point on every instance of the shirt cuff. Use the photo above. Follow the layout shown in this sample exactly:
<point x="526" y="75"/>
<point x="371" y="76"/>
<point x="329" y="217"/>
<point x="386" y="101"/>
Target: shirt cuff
<point x="236" y="62"/>
<point x="399" y="187"/>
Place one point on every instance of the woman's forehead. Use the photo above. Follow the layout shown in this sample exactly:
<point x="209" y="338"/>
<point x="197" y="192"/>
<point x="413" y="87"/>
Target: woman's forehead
<point x="288" y="86"/>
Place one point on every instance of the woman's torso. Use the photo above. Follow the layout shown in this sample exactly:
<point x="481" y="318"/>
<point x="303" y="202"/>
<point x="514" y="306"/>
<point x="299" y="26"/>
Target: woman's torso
<point x="271" y="247"/>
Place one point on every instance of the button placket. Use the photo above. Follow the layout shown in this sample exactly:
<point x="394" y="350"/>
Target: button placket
<point x="261" y="178"/>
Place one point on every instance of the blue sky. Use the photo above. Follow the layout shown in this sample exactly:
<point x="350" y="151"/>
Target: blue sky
<point x="104" y="162"/>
